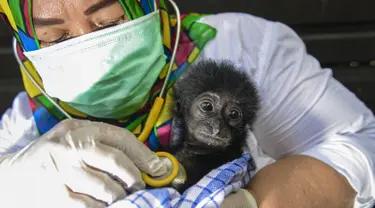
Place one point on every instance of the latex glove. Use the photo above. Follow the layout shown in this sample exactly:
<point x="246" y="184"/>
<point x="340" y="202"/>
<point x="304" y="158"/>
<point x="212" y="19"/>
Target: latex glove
<point x="77" y="164"/>
<point x="241" y="198"/>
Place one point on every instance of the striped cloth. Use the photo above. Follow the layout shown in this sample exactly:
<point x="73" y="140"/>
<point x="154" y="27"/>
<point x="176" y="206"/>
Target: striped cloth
<point x="208" y="192"/>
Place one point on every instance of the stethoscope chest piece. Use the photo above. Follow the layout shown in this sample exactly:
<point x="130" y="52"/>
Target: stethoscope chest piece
<point x="174" y="177"/>
<point x="180" y="179"/>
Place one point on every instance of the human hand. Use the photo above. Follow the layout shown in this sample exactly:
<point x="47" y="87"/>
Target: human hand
<point x="241" y="198"/>
<point x="77" y="164"/>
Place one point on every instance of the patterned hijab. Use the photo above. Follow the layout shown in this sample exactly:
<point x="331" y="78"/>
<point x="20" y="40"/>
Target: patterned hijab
<point x="194" y="36"/>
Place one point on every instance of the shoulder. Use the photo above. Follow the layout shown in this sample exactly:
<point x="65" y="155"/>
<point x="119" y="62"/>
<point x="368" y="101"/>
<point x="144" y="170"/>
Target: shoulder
<point x="235" y="32"/>
<point x="243" y="39"/>
<point x="232" y="19"/>
<point x="17" y="126"/>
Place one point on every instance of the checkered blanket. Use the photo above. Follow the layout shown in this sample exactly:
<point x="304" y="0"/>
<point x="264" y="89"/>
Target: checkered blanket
<point x="208" y="192"/>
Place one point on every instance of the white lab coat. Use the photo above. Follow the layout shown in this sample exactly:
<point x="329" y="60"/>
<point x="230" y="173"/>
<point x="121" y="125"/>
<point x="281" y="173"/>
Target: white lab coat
<point x="304" y="110"/>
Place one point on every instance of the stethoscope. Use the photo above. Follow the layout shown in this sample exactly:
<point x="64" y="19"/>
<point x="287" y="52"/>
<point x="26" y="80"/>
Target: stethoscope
<point x="175" y="175"/>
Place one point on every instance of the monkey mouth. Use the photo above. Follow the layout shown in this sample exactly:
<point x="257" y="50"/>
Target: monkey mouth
<point x="212" y="140"/>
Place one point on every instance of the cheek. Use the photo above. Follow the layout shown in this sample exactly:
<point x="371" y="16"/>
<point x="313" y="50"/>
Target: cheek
<point x="239" y="133"/>
<point x="197" y="126"/>
<point x="196" y="123"/>
<point x="194" y="117"/>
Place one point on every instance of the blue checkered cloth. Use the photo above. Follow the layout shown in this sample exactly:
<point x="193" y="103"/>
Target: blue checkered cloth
<point x="210" y="191"/>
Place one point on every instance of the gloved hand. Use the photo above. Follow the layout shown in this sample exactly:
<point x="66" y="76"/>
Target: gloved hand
<point x="241" y="198"/>
<point x="76" y="164"/>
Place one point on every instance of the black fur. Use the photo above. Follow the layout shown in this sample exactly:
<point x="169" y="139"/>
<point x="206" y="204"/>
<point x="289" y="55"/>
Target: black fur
<point x="218" y="77"/>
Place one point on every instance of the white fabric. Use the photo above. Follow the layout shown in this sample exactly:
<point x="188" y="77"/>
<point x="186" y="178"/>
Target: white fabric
<point x="17" y="126"/>
<point x="304" y="110"/>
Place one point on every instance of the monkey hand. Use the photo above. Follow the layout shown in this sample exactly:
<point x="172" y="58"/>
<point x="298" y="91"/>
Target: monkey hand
<point x="241" y="198"/>
<point x="77" y="164"/>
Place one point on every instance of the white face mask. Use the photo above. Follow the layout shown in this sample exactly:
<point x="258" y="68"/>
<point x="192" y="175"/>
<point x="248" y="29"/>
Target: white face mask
<point x="108" y="73"/>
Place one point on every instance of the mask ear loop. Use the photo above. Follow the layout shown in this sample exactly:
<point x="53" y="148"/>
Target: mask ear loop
<point x="23" y="68"/>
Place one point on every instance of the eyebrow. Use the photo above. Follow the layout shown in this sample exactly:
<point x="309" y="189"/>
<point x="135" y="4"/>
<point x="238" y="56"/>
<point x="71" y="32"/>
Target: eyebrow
<point x="47" y="21"/>
<point x="100" y="5"/>
<point x="55" y="21"/>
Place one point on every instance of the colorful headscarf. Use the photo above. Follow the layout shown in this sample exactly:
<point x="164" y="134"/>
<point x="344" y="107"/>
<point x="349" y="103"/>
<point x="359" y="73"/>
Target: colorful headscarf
<point x="194" y="36"/>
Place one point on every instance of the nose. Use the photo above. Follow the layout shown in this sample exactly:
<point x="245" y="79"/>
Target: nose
<point x="216" y="126"/>
<point x="81" y="27"/>
<point x="215" y="130"/>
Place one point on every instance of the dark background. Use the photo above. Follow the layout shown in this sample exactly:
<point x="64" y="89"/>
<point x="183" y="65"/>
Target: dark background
<point x="340" y="33"/>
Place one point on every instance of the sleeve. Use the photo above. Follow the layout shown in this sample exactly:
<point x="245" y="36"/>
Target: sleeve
<point x="306" y="111"/>
<point x="17" y="126"/>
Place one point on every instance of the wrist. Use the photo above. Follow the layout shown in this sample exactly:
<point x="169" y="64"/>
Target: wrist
<point x="5" y="159"/>
<point x="250" y="197"/>
<point x="241" y="198"/>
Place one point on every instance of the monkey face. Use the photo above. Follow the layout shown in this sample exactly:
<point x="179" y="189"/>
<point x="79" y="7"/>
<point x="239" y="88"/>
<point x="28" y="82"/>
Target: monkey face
<point x="213" y="119"/>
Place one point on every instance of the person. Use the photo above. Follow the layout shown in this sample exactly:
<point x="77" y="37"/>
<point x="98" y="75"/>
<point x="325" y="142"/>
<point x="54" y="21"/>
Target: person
<point x="102" y="63"/>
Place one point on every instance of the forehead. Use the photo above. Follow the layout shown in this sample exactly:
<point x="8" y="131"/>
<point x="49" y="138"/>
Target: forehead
<point x="221" y="96"/>
<point x="54" y="8"/>
<point x="45" y="8"/>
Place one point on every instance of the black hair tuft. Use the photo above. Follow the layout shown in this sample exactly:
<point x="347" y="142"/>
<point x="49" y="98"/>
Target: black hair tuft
<point x="217" y="76"/>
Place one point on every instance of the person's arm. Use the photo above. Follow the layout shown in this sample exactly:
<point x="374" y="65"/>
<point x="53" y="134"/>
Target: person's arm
<point x="301" y="181"/>
<point x="324" y="134"/>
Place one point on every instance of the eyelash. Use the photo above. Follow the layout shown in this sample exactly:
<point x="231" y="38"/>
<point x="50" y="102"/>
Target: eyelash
<point x="111" y="23"/>
<point x="49" y="43"/>
<point x="66" y="35"/>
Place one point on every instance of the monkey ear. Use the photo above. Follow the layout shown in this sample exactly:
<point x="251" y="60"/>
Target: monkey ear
<point x="178" y="106"/>
<point x="177" y="109"/>
<point x="175" y="104"/>
<point x="249" y="127"/>
<point x="177" y="127"/>
<point x="176" y="139"/>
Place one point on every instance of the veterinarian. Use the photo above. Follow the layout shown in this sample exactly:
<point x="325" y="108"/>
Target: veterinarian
<point x="102" y="63"/>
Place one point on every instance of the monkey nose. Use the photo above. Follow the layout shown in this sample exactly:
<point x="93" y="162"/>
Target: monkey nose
<point x="215" y="131"/>
<point x="216" y="127"/>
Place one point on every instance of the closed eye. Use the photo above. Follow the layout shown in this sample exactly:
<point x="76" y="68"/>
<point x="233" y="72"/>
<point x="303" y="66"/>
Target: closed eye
<point x="100" y="26"/>
<point x="59" y="40"/>
<point x="110" y="23"/>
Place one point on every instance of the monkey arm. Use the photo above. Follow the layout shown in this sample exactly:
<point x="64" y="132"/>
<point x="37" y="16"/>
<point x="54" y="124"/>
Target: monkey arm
<point x="301" y="181"/>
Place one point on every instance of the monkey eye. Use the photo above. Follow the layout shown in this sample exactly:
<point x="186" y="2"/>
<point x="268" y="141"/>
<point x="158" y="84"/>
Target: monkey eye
<point x="206" y="106"/>
<point x="234" y="114"/>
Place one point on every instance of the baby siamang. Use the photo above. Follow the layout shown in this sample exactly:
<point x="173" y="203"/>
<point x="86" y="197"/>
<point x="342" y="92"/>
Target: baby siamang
<point x="215" y="104"/>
